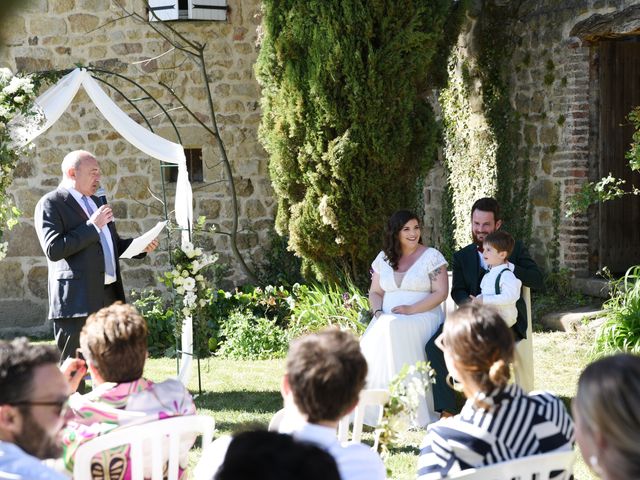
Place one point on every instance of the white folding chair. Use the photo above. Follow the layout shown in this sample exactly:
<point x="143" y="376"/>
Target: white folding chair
<point x="276" y="420"/>
<point x="370" y="397"/>
<point x="161" y="439"/>
<point x="524" y="350"/>
<point x="538" y="467"/>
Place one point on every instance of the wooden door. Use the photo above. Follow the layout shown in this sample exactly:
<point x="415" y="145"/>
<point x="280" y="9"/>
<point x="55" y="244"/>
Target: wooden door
<point x="619" y="94"/>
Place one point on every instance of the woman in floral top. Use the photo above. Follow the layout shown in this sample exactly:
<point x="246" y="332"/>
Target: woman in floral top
<point x="114" y="345"/>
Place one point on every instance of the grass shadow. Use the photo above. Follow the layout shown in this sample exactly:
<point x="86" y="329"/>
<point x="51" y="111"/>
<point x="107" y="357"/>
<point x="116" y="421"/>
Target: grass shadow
<point x="241" y="400"/>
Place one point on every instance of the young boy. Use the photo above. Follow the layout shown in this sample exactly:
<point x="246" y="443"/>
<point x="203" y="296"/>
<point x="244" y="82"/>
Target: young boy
<point x="499" y="287"/>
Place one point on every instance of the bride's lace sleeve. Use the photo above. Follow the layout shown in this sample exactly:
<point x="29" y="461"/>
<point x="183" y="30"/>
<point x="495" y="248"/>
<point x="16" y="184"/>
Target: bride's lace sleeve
<point x="377" y="263"/>
<point x="434" y="260"/>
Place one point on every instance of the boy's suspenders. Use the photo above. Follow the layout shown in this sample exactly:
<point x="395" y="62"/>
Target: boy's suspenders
<point x="497" y="285"/>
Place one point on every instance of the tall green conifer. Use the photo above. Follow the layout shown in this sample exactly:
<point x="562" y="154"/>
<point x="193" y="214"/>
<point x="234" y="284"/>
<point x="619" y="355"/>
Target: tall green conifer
<point x="346" y="122"/>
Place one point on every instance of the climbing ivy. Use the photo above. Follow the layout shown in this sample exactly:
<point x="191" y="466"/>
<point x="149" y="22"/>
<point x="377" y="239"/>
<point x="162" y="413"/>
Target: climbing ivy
<point x="481" y="127"/>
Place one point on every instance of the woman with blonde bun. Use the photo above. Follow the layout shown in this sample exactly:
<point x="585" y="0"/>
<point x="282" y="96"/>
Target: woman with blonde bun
<point x="607" y="417"/>
<point x="499" y="421"/>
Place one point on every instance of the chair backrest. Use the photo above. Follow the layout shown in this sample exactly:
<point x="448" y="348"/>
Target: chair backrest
<point x="368" y="397"/>
<point x="276" y="420"/>
<point x="160" y="439"/>
<point x="538" y="467"/>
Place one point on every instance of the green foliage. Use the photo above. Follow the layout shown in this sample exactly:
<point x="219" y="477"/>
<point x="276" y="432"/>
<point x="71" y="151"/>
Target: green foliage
<point x="609" y="187"/>
<point x="17" y="94"/>
<point x="621" y="329"/>
<point x="320" y="306"/>
<point x="160" y="322"/>
<point x="496" y="46"/>
<point x="249" y="338"/>
<point x="281" y="266"/>
<point x="345" y="121"/>
<point x="558" y="294"/>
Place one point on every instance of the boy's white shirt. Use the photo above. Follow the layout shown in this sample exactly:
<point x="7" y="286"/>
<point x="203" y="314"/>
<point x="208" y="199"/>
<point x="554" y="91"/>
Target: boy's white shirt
<point x="510" y="287"/>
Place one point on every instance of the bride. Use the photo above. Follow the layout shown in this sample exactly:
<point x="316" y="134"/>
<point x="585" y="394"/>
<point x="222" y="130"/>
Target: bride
<point x="408" y="284"/>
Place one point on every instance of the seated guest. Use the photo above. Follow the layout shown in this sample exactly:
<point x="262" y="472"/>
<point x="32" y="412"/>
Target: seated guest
<point x="499" y="422"/>
<point x="324" y="375"/>
<point x="275" y="456"/>
<point x="607" y="416"/>
<point x="33" y="404"/>
<point x="114" y="345"/>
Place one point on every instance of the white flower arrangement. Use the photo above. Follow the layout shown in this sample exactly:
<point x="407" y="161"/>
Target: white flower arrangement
<point x="189" y="285"/>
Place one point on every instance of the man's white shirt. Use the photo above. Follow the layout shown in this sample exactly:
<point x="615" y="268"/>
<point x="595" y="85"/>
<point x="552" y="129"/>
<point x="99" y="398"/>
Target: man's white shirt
<point x="355" y="461"/>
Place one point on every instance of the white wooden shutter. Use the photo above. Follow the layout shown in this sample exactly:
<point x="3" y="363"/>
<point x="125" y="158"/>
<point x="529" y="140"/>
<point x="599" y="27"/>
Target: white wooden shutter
<point x="164" y="9"/>
<point x="208" y="9"/>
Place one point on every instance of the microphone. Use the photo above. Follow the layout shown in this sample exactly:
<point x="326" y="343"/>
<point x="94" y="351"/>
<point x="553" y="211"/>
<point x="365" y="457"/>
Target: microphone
<point x="102" y="195"/>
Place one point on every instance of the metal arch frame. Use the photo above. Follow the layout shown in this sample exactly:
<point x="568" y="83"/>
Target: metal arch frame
<point x="163" y="165"/>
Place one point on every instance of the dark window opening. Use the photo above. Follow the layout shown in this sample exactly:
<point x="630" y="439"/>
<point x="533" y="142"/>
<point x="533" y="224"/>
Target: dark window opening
<point x="194" y="166"/>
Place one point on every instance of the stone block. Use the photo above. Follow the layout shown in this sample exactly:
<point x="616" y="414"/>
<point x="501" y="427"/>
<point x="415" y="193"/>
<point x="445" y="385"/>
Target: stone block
<point x="246" y="240"/>
<point x="244" y="187"/>
<point x="210" y="208"/>
<point x="13" y="31"/>
<point x="12" y="277"/>
<point x="30" y="64"/>
<point x="37" y="280"/>
<point x="127" y="48"/>
<point x="542" y="193"/>
<point x="139" y="278"/>
<point x="549" y="135"/>
<point x="47" y="25"/>
<point x="27" y="198"/>
<point x="133" y="187"/>
<point x="63" y="6"/>
<point x="18" y="315"/>
<point x="35" y="6"/>
<point x="23" y="170"/>
<point x="254" y="209"/>
<point x="119" y="210"/>
<point x="83" y="23"/>
<point x="93" y="5"/>
<point x="23" y="242"/>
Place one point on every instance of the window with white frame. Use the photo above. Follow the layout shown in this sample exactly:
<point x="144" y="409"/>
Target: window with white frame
<point x="166" y="10"/>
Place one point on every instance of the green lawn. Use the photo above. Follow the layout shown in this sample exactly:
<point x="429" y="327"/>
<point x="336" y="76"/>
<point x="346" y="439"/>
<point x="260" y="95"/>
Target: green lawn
<point x="242" y="394"/>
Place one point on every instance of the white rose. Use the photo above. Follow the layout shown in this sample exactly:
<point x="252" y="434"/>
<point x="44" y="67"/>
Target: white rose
<point x="189" y="284"/>
<point x="180" y="290"/>
<point x="200" y="278"/>
<point x="203" y="302"/>
<point x="5" y="74"/>
<point x="18" y="99"/>
<point x="186" y="312"/>
<point x="185" y="273"/>
<point x="198" y="251"/>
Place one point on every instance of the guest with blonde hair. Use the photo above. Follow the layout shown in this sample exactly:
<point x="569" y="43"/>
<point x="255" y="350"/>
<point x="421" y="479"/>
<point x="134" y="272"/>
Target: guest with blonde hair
<point x="607" y="416"/>
<point x="499" y="421"/>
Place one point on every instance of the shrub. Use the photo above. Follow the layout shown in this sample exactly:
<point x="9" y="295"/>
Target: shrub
<point x="318" y="306"/>
<point x="246" y="337"/>
<point x="345" y="120"/>
<point x="621" y="329"/>
<point x="160" y="322"/>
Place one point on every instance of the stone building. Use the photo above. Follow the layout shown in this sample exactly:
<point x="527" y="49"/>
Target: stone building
<point x="568" y="100"/>
<point x="55" y="35"/>
<point x="574" y="77"/>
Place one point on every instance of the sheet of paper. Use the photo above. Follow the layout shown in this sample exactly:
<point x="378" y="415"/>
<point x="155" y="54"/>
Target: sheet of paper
<point x="140" y="243"/>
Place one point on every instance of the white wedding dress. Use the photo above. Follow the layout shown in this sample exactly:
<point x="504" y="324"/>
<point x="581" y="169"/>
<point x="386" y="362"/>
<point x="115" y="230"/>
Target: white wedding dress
<point x="394" y="340"/>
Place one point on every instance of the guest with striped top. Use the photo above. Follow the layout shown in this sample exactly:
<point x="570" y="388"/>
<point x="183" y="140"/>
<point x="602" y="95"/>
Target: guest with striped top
<point x="499" y="422"/>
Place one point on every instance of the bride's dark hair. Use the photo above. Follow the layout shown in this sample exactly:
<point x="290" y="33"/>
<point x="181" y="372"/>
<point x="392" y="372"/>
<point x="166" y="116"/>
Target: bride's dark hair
<point x="392" y="250"/>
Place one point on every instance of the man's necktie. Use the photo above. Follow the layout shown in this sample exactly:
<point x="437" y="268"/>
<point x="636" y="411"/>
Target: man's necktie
<point x="109" y="266"/>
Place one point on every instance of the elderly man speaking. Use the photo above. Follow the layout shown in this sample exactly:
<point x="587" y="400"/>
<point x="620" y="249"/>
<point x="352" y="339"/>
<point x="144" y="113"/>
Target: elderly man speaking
<point x="79" y="238"/>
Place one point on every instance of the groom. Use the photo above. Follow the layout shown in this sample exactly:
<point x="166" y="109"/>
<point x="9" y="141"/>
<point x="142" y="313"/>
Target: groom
<point x="79" y="238"/>
<point x="468" y="269"/>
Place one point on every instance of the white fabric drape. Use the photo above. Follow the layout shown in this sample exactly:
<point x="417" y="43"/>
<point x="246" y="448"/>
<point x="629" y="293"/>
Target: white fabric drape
<point x="55" y="101"/>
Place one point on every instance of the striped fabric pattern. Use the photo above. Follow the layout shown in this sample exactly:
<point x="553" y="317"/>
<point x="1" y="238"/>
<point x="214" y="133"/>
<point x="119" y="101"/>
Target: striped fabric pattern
<point x="515" y="425"/>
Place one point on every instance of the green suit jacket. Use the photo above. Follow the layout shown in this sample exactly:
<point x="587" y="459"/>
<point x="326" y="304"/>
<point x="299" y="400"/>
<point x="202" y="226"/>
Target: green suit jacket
<point x="467" y="274"/>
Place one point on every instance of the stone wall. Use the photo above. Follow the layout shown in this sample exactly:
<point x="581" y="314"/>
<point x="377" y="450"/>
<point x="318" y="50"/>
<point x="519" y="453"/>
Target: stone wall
<point x="57" y="34"/>
<point x="555" y="95"/>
